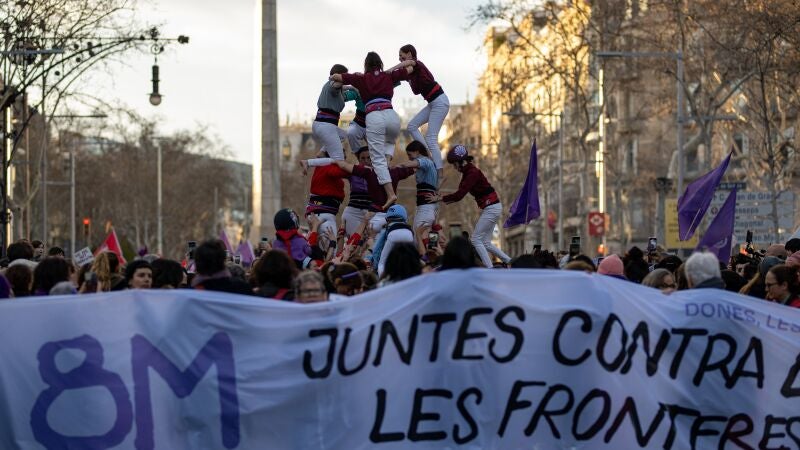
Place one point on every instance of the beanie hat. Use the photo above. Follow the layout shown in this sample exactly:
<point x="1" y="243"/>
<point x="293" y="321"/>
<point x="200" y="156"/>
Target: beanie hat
<point x="767" y="263"/>
<point x="286" y="219"/>
<point x="793" y="260"/>
<point x="396" y="212"/>
<point x="611" y="265"/>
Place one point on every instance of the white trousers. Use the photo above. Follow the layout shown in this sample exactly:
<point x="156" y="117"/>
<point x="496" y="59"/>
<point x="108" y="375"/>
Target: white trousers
<point x="356" y="136"/>
<point x="328" y="222"/>
<point x="383" y="127"/>
<point x="433" y="114"/>
<point x="482" y="235"/>
<point x="329" y="137"/>
<point x="425" y="214"/>
<point x="352" y="218"/>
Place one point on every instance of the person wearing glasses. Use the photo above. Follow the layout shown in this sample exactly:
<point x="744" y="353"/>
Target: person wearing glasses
<point x="309" y="287"/>
<point x="783" y="286"/>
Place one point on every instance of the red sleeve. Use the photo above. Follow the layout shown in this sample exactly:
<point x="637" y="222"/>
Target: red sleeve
<point x="353" y="79"/>
<point x="354" y="239"/>
<point x="467" y="181"/>
<point x="312" y="239"/>
<point x="399" y="74"/>
<point x="401" y="173"/>
<point x="361" y="171"/>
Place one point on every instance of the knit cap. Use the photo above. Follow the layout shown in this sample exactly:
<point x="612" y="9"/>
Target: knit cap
<point x="793" y="260"/>
<point x="611" y="265"/>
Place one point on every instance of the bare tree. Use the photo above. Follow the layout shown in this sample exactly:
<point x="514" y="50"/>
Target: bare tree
<point x="769" y="101"/>
<point x="47" y="47"/>
<point x="551" y="67"/>
<point x="116" y="182"/>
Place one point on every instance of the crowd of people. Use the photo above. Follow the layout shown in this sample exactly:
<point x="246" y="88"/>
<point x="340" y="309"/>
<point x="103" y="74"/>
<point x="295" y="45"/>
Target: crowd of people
<point x="311" y="274"/>
<point x="374" y="241"/>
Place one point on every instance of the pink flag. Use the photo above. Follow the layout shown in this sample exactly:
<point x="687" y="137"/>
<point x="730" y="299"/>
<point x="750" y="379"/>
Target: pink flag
<point x="111" y="244"/>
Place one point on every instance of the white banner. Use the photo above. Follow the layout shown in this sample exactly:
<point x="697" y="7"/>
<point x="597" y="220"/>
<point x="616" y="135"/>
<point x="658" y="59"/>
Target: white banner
<point x="479" y="359"/>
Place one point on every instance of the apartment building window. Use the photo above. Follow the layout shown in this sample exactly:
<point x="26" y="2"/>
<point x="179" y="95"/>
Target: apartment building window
<point x="741" y="143"/>
<point x="692" y="160"/>
<point x="634" y="8"/>
<point x="631" y="155"/>
<point x="637" y="213"/>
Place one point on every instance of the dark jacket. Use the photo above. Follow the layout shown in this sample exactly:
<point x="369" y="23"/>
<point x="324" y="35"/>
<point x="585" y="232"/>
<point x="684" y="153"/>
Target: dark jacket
<point x="226" y="284"/>
<point x="711" y="283"/>
<point x="270" y="290"/>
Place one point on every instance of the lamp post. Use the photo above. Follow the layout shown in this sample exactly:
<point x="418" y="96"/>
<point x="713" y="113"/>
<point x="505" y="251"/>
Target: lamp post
<point x="679" y="119"/>
<point x="72" y="230"/>
<point x="159" y="216"/>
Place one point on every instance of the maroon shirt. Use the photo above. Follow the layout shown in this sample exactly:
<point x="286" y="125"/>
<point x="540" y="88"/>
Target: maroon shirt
<point x="473" y="182"/>
<point x="421" y="80"/>
<point x="376" y="192"/>
<point x="375" y="84"/>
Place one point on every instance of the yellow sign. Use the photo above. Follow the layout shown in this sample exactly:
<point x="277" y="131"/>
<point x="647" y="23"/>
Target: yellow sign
<point x="671" y="227"/>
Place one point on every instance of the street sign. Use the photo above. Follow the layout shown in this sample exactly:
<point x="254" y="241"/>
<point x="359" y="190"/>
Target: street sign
<point x="728" y="186"/>
<point x="597" y="223"/>
<point x="671" y="227"/>
<point x="754" y="213"/>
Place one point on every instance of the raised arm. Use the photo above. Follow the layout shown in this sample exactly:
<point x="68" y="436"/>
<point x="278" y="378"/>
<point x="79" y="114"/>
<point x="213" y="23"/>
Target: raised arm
<point x="337" y="78"/>
<point x="401" y="64"/>
<point x="320" y="162"/>
<point x="409" y="164"/>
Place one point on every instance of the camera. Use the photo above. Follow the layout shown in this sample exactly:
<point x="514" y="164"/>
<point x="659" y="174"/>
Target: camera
<point x="191" y="246"/>
<point x="433" y="239"/>
<point x="237" y="259"/>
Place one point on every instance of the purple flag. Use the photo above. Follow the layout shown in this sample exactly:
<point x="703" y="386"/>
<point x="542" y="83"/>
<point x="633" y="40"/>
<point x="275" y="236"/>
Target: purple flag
<point x="245" y="250"/>
<point x="718" y="236"/>
<point x="224" y="238"/>
<point x="526" y="205"/>
<point x="693" y="204"/>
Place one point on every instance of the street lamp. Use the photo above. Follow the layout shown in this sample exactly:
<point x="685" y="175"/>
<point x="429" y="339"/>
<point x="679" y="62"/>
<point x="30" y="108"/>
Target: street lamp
<point x="678" y="57"/>
<point x="155" y="96"/>
<point x="156" y="49"/>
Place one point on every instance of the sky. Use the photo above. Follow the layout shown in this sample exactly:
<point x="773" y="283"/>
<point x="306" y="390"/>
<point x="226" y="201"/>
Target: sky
<point x="210" y="82"/>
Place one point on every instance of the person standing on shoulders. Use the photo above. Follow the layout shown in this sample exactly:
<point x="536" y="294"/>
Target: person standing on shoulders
<point x="383" y="124"/>
<point x="474" y="182"/>
<point x="326" y="131"/>
<point x="422" y="83"/>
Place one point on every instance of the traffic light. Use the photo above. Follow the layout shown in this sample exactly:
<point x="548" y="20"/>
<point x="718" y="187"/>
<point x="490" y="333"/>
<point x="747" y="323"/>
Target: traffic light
<point x="87" y="223"/>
